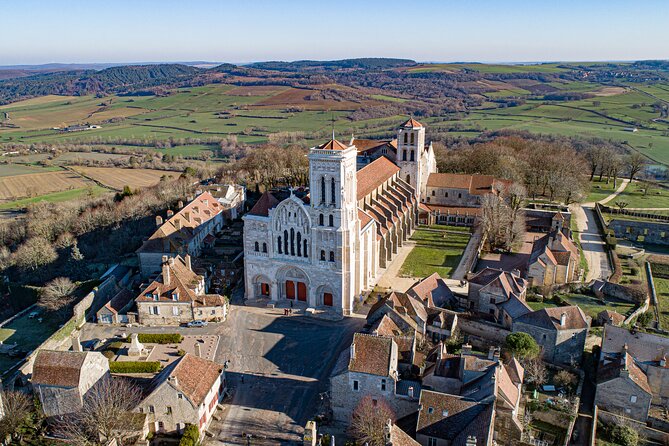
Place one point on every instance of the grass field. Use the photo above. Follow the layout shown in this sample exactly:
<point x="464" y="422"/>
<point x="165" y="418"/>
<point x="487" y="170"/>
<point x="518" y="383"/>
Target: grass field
<point x="118" y="178"/>
<point x="662" y="291"/>
<point x="36" y="184"/>
<point x="599" y="190"/>
<point x="590" y="305"/>
<point x="634" y="196"/>
<point x="55" y="197"/>
<point x="435" y="251"/>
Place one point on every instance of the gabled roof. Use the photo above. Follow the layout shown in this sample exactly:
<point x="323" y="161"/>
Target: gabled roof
<point x="119" y="301"/>
<point x="549" y="318"/>
<point x="644" y="347"/>
<point x="400" y="438"/>
<point x="432" y="290"/>
<point x="374" y="174"/>
<point x="59" y="368"/>
<point x="371" y="354"/>
<point x="333" y="144"/>
<point x="508" y="389"/>
<point x="617" y="369"/>
<point x="474" y="184"/>
<point x="411" y="123"/>
<point x="500" y="282"/>
<point x="182" y="281"/>
<point x="194" y="377"/>
<point x="515" y="370"/>
<point x="453" y="418"/>
<point x="266" y="202"/>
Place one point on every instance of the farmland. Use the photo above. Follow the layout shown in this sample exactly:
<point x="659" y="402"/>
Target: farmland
<point x="118" y="178"/>
<point x="28" y="185"/>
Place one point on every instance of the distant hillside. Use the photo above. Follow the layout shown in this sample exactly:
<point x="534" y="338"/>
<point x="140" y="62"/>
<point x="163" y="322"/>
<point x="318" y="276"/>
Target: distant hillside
<point x="111" y="80"/>
<point x="365" y="63"/>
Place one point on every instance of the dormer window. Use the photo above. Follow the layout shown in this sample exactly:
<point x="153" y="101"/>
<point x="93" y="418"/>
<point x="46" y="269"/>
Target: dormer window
<point x="175" y="295"/>
<point x="430" y="410"/>
<point x="149" y="295"/>
<point x="155" y="297"/>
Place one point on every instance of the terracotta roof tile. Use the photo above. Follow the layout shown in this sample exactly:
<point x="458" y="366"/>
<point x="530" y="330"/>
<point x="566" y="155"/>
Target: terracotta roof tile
<point x="372" y="354"/>
<point x="374" y="174"/>
<point x="182" y="282"/>
<point x="56" y="368"/>
<point x="195" y="376"/>
<point x="266" y="202"/>
<point x="412" y="124"/>
<point x="333" y="144"/>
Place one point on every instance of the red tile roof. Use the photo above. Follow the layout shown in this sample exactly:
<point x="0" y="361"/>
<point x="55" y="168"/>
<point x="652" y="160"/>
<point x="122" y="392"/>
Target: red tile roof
<point x="374" y="174"/>
<point x="56" y="368"/>
<point x="474" y="184"/>
<point x="182" y="281"/>
<point x="332" y="145"/>
<point x="371" y="354"/>
<point x="364" y="218"/>
<point x="412" y="123"/>
<point x="195" y="376"/>
<point x="266" y="202"/>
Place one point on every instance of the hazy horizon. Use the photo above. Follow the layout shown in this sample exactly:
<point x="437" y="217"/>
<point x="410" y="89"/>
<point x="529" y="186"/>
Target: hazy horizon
<point x="514" y="31"/>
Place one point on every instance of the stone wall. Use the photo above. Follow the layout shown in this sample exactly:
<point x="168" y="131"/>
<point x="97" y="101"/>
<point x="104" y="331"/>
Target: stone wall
<point x="644" y="431"/>
<point x="646" y="231"/>
<point x="485" y="333"/>
<point x="614" y="396"/>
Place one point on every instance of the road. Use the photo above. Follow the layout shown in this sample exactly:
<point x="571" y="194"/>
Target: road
<point x="592" y="243"/>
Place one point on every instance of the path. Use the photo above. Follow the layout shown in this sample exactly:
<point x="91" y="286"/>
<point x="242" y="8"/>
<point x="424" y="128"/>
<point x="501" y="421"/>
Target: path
<point x="592" y="243"/>
<point x="390" y="278"/>
<point x="618" y="191"/>
<point x="469" y="255"/>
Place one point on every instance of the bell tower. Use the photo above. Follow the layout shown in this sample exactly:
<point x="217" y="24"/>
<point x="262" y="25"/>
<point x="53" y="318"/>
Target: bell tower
<point x="410" y="148"/>
<point x="334" y="215"/>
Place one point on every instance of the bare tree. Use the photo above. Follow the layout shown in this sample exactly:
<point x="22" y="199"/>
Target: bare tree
<point x="635" y="163"/>
<point x="104" y="414"/>
<point x="621" y="204"/>
<point x="57" y="294"/>
<point x="34" y="253"/>
<point x="535" y="371"/>
<point x="369" y="419"/>
<point x="17" y="406"/>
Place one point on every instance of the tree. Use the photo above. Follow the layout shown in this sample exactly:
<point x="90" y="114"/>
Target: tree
<point x="635" y="163"/>
<point x="621" y="204"/>
<point x="103" y="415"/>
<point x="369" y="420"/>
<point x="57" y="294"/>
<point x="624" y="435"/>
<point x="564" y="378"/>
<point x="190" y="436"/>
<point x="17" y="406"/>
<point x="522" y="345"/>
<point x="535" y="371"/>
<point x="34" y="253"/>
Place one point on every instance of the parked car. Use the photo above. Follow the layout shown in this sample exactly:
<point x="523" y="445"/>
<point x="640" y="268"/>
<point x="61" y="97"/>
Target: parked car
<point x="197" y="323"/>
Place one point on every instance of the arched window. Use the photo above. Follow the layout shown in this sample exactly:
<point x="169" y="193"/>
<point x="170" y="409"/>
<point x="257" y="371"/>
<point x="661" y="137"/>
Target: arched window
<point x="322" y="189"/>
<point x="412" y="156"/>
<point x="433" y="193"/>
<point x="446" y="194"/>
<point x="321" y="220"/>
<point x="264" y="247"/>
<point x="333" y="196"/>
<point x="322" y="255"/>
<point x="285" y="242"/>
<point x="257" y="247"/>
<point x="332" y="256"/>
<point x="460" y="195"/>
<point x="404" y="155"/>
<point x="305" y="249"/>
<point x="412" y="138"/>
<point x="406" y="136"/>
<point x="278" y="245"/>
<point x="331" y="221"/>
<point x="292" y="241"/>
<point x="299" y="244"/>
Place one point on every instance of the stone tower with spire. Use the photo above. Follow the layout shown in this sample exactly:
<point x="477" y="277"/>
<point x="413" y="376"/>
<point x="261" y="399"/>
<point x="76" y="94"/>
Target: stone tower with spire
<point x="411" y="155"/>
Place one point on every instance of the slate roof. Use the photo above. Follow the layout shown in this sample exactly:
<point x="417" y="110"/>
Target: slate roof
<point x="616" y="369"/>
<point x="453" y="418"/>
<point x="644" y="347"/>
<point x="195" y="376"/>
<point x="372" y="354"/>
<point x="549" y="318"/>
<point x="58" y="368"/>
<point x="611" y="316"/>
<point x="515" y="307"/>
<point x="119" y="301"/>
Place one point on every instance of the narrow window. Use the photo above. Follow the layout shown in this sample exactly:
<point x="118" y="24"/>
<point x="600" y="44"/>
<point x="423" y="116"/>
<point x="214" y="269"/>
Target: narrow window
<point x="460" y="195"/>
<point x="322" y="255"/>
<point x="633" y="399"/>
<point x="330" y="220"/>
<point x="257" y="247"/>
<point x="356" y="385"/>
<point x="406" y="138"/>
<point x="412" y="156"/>
<point x="333" y="195"/>
<point x="285" y="242"/>
<point x="299" y="244"/>
<point x="168" y="410"/>
<point x="446" y="194"/>
<point x="321" y="220"/>
<point x="408" y="179"/>
<point x="322" y="189"/>
<point x="404" y="155"/>
<point x="332" y="256"/>
<point x="278" y="245"/>
<point x="433" y="193"/>
<point x="412" y="140"/>
<point x="383" y="385"/>
<point x="292" y="241"/>
<point x="264" y="247"/>
<point x="305" y="249"/>
<point x="152" y="409"/>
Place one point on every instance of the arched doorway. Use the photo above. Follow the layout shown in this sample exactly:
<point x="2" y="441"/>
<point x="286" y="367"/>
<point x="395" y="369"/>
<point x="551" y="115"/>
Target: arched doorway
<point x="294" y="284"/>
<point x="261" y="287"/>
<point x="325" y="296"/>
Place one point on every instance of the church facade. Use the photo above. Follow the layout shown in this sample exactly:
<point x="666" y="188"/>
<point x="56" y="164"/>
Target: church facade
<point x="326" y="248"/>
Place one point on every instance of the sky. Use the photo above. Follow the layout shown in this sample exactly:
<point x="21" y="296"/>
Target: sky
<point x="116" y="31"/>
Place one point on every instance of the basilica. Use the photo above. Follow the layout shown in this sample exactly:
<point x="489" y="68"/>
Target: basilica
<point x="327" y="246"/>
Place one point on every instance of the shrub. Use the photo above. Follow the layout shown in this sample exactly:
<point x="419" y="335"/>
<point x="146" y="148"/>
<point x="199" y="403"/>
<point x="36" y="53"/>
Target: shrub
<point x="624" y="435"/>
<point x="181" y="352"/>
<point x="190" y="436"/>
<point x="644" y="319"/>
<point x="522" y="345"/>
<point x="108" y="354"/>
<point x="160" y="338"/>
<point x="134" y="367"/>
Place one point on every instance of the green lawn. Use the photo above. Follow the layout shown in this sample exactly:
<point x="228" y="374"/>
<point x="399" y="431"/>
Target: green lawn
<point x="55" y="197"/>
<point x="634" y="196"/>
<point x="600" y="190"/>
<point x="589" y="304"/>
<point x="662" y="291"/>
<point x="436" y="251"/>
<point x="28" y="334"/>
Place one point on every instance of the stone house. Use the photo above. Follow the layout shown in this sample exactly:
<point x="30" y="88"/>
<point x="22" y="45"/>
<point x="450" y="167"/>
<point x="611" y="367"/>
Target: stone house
<point x="637" y="361"/>
<point x="441" y="324"/>
<point x="554" y="259"/>
<point x="61" y="379"/>
<point x="231" y="196"/>
<point x="115" y="311"/>
<point x="370" y="367"/>
<point x="408" y="312"/>
<point x="460" y="190"/>
<point x="433" y="292"/>
<point x="610" y="317"/>
<point x="183" y="233"/>
<point x="187" y="391"/>
<point x="560" y="331"/>
<point x="449" y="420"/>
<point x="498" y="295"/>
<point x="178" y="295"/>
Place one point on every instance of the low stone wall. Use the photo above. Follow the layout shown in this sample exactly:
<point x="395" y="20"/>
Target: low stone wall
<point x="642" y="428"/>
<point x="650" y="232"/>
<point x="626" y="293"/>
<point x="485" y="333"/>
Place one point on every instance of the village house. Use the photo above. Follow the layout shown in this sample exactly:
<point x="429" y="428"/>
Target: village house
<point x="370" y="367"/>
<point x="409" y="313"/>
<point x="232" y="198"/>
<point x="554" y="259"/>
<point x="441" y="324"/>
<point x="187" y="391"/>
<point x="182" y="233"/>
<point x="61" y="379"/>
<point x="610" y="317"/>
<point x="498" y="295"/>
<point x="633" y="372"/>
<point x="560" y="331"/>
<point x="433" y="292"/>
<point x="178" y="295"/>
<point x="115" y="311"/>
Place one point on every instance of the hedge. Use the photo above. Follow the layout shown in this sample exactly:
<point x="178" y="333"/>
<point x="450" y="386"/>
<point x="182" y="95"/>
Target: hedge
<point x="134" y="367"/>
<point x="160" y="338"/>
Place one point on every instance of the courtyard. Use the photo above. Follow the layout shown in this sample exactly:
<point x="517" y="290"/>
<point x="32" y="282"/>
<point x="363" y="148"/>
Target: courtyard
<point x="436" y="250"/>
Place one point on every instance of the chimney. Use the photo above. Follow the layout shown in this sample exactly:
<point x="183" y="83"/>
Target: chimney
<point x="166" y="270"/>
<point x="491" y="353"/>
<point x="410" y="393"/>
<point x="497" y="354"/>
<point x="466" y="349"/>
<point x="563" y="320"/>
<point x="198" y="349"/>
<point x="663" y="361"/>
<point x="170" y="213"/>
<point x="173" y="380"/>
<point x="180" y="204"/>
<point x="159" y="221"/>
<point x="187" y="261"/>
<point x="76" y="343"/>
<point x="471" y="441"/>
<point x="352" y="351"/>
